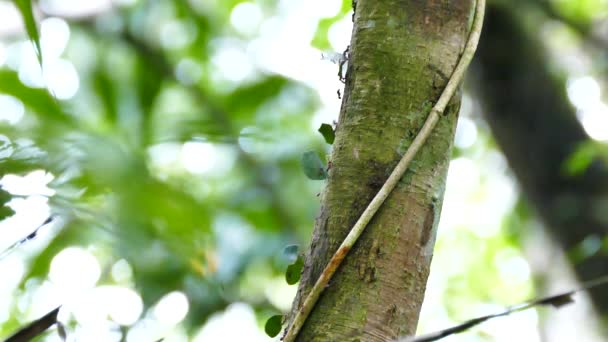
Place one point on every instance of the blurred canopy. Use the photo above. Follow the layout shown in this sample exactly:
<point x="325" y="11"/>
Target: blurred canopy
<point x="168" y="156"/>
<point x="171" y="139"/>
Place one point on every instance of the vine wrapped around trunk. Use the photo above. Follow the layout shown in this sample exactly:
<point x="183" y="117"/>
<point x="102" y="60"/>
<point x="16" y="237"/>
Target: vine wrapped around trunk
<point x="402" y="54"/>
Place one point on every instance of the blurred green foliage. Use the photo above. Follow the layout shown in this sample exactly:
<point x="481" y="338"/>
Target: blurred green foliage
<point x="583" y="157"/>
<point x="184" y="230"/>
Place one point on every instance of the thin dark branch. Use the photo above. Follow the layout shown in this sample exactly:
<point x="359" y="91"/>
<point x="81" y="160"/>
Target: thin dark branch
<point x="30" y="236"/>
<point x="36" y="328"/>
<point x="556" y="301"/>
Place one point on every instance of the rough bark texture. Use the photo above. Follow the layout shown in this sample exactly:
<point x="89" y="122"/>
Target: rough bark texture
<point x="535" y="126"/>
<point x="402" y="54"/>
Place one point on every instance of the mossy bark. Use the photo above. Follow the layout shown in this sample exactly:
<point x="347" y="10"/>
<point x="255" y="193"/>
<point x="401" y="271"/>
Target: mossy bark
<point x="401" y="56"/>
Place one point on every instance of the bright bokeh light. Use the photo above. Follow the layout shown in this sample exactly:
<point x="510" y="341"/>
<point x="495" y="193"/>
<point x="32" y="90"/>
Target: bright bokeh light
<point x="171" y="308"/>
<point x="75" y="8"/>
<point x="204" y="158"/>
<point x="125" y="2"/>
<point x="512" y="267"/>
<point x="12" y="109"/>
<point x="10" y="19"/>
<point x="522" y="326"/>
<point x="466" y="133"/>
<point x="221" y="326"/>
<point x="188" y="71"/>
<point x="54" y="37"/>
<point x="165" y="155"/>
<point x="30" y="211"/>
<point x="177" y="34"/>
<point x="33" y="183"/>
<point x="12" y="269"/>
<point x="234" y="237"/>
<point x="595" y="121"/>
<point x="144" y="330"/>
<point x="101" y="331"/>
<point x="61" y="78"/>
<point x="75" y="268"/>
<point x="230" y="62"/>
<point x="340" y="32"/>
<point x="246" y="18"/>
<point x="122" y="271"/>
<point x="280" y="294"/>
<point x="123" y="305"/>
<point x="584" y="91"/>
<point x="585" y="94"/>
<point x="2" y="53"/>
<point x="58" y="74"/>
<point x="322" y="8"/>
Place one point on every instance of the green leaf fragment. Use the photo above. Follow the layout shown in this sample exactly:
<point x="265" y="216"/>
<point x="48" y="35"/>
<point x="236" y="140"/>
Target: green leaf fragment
<point x="328" y="133"/>
<point x="292" y="275"/>
<point x="273" y="325"/>
<point x="313" y="167"/>
<point x="39" y="100"/>
<point x="291" y="252"/>
<point x="5" y="211"/>
<point x="27" y="13"/>
<point x="579" y="160"/>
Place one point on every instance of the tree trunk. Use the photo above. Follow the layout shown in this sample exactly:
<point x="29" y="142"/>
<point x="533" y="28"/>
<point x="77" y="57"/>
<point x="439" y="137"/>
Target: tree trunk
<point x="537" y="129"/>
<point x="401" y="56"/>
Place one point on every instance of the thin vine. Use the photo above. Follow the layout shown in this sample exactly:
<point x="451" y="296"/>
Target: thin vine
<point x="391" y="182"/>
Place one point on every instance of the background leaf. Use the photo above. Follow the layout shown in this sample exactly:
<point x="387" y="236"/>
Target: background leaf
<point x="5" y="211"/>
<point x="313" y="166"/>
<point x="27" y="13"/>
<point x="39" y="100"/>
<point x="291" y="252"/>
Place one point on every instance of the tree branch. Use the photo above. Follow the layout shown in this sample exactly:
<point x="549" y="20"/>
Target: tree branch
<point x="35" y="328"/>
<point x="557" y="301"/>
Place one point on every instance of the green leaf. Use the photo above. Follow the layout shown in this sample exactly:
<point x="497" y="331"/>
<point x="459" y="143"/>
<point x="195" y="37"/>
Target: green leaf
<point x="246" y="99"/>
<point x="27" y="13"/>
<point x="104" y="88"/>
<point x="320" y="39"/>
<point x="583" y="156"/>
<point x="273" y="325"/>
<point x="328" y="133"/>
<point x="5" y="211"/>
<point x="148" y="85"/>
<point x="21" y="158"/>
<point x="39" y="100"/>
<point x="292" y="275"/>
<point x="313" y="166"/>
<point x="291" y="252"/>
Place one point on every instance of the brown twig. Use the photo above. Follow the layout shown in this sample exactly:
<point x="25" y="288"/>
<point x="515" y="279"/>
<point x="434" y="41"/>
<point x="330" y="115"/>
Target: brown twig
<point x="35" y="328"/>
<point x="556" y="301"/>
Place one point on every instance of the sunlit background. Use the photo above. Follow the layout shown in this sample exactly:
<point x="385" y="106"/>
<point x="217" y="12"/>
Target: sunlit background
<point x="175" y="184"/>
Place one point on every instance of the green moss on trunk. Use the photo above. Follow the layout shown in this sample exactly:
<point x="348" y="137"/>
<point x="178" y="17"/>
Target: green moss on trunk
<point x="402" y="53"/>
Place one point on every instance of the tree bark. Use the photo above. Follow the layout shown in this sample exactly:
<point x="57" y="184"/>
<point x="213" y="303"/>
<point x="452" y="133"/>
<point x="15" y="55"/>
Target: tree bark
<point x="401" y="56"/>
<point x="536" y="127"/>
